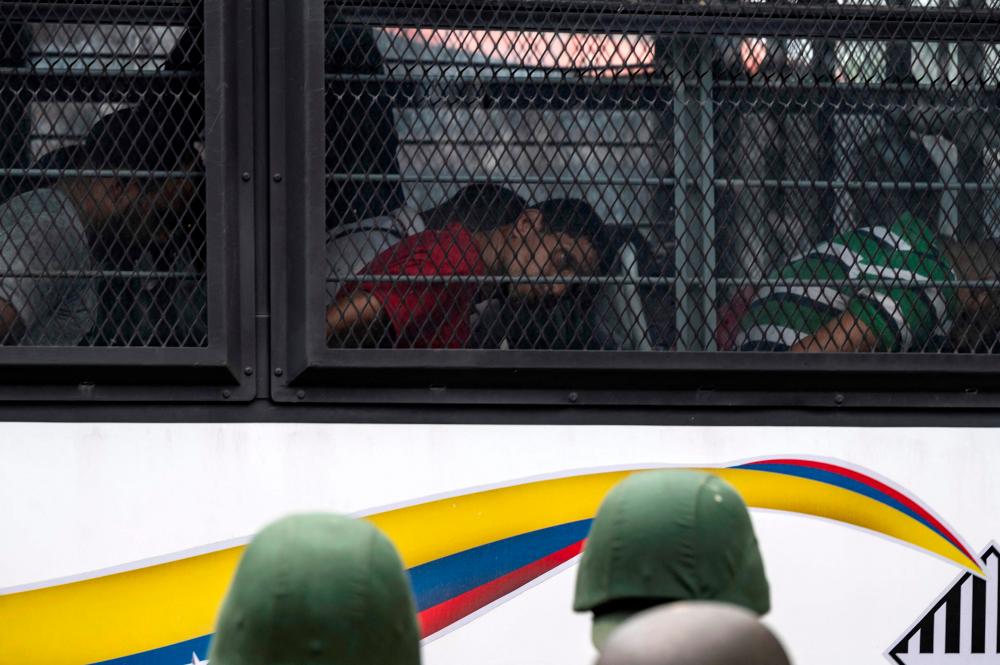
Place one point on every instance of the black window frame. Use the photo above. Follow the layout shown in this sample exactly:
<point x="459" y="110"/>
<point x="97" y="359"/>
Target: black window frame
<point x="305" y="370"/>
<point x="223" y="369"/>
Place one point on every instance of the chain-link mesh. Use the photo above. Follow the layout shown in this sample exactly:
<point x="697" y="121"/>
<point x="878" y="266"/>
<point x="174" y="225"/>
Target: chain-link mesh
<point x="102" y="201"/>
<point x="826" y="186"/>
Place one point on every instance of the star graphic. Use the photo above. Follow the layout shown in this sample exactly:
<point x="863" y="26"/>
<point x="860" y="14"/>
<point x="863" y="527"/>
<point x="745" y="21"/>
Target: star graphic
<point x="197" y="661"/>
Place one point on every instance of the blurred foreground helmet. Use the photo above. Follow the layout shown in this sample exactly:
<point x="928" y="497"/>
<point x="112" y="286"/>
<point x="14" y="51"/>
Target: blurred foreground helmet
<point x="664" y="536"/>
<point x="693" y="633"/>
<point x="318" y="589"/>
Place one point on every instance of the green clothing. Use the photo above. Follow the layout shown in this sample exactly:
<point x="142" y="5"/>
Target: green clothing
<point x="663" y="536"/>
<point x="318" y="589"/>
<point x="893" y="292"/>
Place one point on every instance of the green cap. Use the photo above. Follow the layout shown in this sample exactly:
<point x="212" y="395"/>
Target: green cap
<point x="318" y="589"/>
<point x="664" y="536"/>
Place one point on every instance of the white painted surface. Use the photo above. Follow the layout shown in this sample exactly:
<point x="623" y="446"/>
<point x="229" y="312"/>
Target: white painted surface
<point x="81" y="497"/>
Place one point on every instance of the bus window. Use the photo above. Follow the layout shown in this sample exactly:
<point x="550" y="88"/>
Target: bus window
<point x="558" y="188"/>
<point x="102" y="218"/>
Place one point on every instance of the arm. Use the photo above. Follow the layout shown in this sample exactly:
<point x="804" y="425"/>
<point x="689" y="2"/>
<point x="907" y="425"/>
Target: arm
<point x="356" y="320"/>
<point x="843" y="334"/>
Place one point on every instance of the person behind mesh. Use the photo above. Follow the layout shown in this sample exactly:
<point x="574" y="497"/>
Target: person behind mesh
<point x="52" y="236"/>
<point x="693" y="633"/>
<point x="157" y="137"/>
<point x="320" y="589"/>
<point x="163" y="233"/>
<point x="427" y="285"/>
<point x="878" y="286"/>
<point x="350" y="247"/>
<point x="511" y="322"/>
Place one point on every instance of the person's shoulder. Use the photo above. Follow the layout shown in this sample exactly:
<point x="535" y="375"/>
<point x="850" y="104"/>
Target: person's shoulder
<point x="915" y="231"/>
<point x="45" y="199"/>
<point x="447" y="236"/>
<point x="454" y="232"/>
<point x="30" y="207"/>
<point x="408" y="220"/>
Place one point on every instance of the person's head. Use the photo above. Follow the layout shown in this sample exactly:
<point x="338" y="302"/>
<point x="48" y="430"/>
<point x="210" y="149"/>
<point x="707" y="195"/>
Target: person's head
<point x="693" y="633"/>
<point x="319" y="589"/>
<point x="561" y="238"/>
<point x="666" y="536"/>
<point x="482" y="207"/>
<point x="143" y="138"/>
<point x="976" y="324"/>
<point x="892" y="156"/>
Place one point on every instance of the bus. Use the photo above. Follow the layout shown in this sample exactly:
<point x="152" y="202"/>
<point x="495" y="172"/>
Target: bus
<point x="458" y="267"/>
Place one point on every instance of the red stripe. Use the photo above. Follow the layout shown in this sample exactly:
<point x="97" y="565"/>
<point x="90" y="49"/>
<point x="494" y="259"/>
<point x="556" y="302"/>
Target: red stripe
<point x="882" y="487"/>
<point x="442" y="615"/>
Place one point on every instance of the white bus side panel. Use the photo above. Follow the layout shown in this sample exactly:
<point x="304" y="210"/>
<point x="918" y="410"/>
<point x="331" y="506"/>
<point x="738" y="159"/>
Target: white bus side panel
<point x="79" y="498"/>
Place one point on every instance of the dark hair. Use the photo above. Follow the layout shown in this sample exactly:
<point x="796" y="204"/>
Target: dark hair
<point x="578" y="219"/>
<point x="892" y="155"/>
<point x="143" y="138"/>
<point x="477" y="208"/>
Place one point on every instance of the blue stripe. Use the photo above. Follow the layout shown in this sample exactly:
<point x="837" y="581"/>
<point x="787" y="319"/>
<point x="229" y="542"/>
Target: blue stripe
<point x="831" y="478"/>
<point x="181" y="653"/>
<point x="442" y="579"/>
<point x="433" y="582"/>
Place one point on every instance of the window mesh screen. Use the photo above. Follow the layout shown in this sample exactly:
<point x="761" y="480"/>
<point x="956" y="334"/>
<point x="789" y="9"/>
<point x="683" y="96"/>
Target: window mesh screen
<point x="825" y="186"/>
<point x="102" y="201"/>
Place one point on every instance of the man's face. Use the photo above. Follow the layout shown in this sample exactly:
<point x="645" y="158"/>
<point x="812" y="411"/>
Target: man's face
<point x="538" y="253"/>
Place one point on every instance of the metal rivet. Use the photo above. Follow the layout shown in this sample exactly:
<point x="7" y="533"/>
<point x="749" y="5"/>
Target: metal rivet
<point x="301" y="394"/>
<point x="573" y="397"/>
<point x="246" y="176"/>
<point x="277" y="177"/>
<point x="838" y="399"/>
<point x="248" y="370"/>
<point x="227" y="393"/>
<point x="278" y="371"/>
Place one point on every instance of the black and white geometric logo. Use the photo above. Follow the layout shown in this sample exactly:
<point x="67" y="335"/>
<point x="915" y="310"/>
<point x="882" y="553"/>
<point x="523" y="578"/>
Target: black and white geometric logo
<point x="961" y="627"/>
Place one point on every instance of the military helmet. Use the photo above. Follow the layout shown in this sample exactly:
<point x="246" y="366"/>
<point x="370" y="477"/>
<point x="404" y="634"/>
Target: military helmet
<point x="693" y="633"/>
<point x="319" y="589"/>
<point x="669" y="535"/>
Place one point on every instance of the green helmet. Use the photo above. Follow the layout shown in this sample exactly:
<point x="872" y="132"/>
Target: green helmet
<point x="318" y="589"/>
<point x="664" y="536"/>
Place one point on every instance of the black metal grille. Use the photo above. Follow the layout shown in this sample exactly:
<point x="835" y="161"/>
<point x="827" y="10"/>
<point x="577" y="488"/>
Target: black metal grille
<point x="102" y="199"/>
<point x="663" y="177"/>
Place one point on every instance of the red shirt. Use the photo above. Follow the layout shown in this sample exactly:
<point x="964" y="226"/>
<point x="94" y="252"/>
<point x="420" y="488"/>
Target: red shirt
<point x="432" y="315"/>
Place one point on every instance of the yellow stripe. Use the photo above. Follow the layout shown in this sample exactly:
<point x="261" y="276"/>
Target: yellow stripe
<point x="436" y="529"/>
<point x="762" y="489"/>
<point x="116" y="615"/>
<point x="136" y="611"/>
